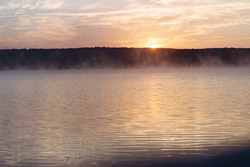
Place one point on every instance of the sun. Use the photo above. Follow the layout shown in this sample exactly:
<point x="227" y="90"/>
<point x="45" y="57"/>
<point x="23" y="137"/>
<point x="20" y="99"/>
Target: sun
<point x="153" y="46"/>
<point x="154" y="43"/>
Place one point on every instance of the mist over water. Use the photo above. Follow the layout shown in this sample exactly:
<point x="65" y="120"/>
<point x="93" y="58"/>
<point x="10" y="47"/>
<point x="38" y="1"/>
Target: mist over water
<point x="122" y="58"/>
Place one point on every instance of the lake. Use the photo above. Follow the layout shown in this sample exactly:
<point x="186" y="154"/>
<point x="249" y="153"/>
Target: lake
<point x="123" y="117"/>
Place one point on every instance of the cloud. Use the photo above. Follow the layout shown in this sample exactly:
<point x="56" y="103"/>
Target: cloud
<point x="128" y="23"/>
<point x="37" y="31"/>
<point x="33" y="4"/>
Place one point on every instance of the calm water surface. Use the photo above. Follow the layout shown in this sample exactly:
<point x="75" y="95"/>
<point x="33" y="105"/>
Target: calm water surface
<point x="110" y="117"/>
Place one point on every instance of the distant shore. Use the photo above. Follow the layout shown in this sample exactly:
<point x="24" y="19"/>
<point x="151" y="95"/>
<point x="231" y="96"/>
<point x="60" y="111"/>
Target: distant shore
<point x="105" y="57"/>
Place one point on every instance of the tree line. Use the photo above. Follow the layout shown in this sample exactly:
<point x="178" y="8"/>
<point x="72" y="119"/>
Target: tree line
<point x="83" y="58"/>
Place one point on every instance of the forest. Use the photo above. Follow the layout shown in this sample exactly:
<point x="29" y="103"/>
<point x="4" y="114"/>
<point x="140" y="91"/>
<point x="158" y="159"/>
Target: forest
<point x="105" y="57"/>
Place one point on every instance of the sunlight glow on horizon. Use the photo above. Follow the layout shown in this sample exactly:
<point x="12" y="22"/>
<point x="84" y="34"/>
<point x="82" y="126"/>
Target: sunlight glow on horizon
<point x="153" y="46"/>
<point x="155" y="43"/>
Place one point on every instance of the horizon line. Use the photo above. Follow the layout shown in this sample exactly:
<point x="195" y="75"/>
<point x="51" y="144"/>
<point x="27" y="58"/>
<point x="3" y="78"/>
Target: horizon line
<point x="111" y="47"/>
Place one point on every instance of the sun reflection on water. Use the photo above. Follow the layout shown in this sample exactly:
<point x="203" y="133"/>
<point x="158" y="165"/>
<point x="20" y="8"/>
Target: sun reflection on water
<point x="110" y="117"/>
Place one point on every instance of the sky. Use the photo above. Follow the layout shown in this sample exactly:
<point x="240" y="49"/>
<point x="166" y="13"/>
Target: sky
<point x="124" y="23"/>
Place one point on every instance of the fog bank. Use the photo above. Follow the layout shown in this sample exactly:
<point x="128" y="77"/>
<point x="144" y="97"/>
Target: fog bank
<point x="87" y="58"/>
